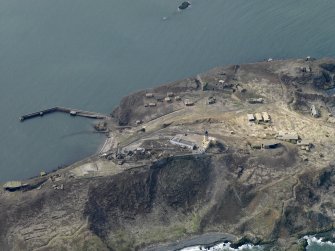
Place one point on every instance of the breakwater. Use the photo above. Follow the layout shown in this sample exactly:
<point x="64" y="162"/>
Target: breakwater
<point x="72" y="112"/>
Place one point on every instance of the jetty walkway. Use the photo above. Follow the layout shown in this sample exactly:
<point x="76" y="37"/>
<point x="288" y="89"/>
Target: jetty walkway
<point x="72" y="112"/>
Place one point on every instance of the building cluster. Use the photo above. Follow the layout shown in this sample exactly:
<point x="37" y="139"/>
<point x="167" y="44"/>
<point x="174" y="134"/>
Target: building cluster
<point x="259" y="117"/>
<point x="170" y="96"/>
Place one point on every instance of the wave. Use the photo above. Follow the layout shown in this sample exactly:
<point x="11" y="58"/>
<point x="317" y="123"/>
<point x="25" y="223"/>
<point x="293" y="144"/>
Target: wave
<point x="223" y="247"/>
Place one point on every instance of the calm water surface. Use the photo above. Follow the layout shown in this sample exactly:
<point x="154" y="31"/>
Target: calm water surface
<point x="88" y="54"/>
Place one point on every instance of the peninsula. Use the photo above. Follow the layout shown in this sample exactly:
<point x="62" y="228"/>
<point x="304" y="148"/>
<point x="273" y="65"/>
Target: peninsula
<point x="243" y="153"/>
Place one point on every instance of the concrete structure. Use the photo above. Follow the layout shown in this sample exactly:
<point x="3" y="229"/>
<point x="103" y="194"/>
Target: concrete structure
<point x="188" y="102"/>
<point x="258" y="117"/>
<point x="177" y="140"/>
<point x="250" y="117"/>
<point x="289" y="137"/>
<point x="266" y="117"/>
<point x="149" y="95"/>
<point x="72" y="112"/>
<point x="255" y="100"/>
<point x="314" y="112"/>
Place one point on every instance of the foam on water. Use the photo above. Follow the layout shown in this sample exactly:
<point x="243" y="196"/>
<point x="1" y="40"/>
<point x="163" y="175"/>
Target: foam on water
<point x="223" y="247"/>
<point x="311" y="240"/>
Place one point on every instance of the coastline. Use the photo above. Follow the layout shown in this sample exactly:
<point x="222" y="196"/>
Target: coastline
<point x="151" y="187"/>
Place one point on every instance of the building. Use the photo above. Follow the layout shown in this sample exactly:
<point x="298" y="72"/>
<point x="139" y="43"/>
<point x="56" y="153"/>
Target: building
<point x="314" y="112"/>
<point x="255" y="100"/>
<point x="258" y="117"/>
<point x="168" y="99"/>
<point x="170" y="94"/>
<point x="177" y="98"/>
<point x="160" y="98"/>
<point x="289" y="137"/>
<point x="250" y="117"/>
<point x="304" y="144"/>
<point x="188" y="102"/>
<point x="177" y="140"/>
<point x="266" y="117"/>
<point x="152" y="104"/>
<point x="149" y="95"/>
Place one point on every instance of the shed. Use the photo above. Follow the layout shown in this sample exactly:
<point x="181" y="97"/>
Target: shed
<point x="255" y="100"/>
<point x="258" y="117"/>
<point x="289" y="137"/>
<point x="149" y="95"/>
<point x="250" y="117"/>
<point x="314" y="112"/>
<point x="266" y="117"/>
<point x="304" y="144"/>
<point x="188" y="102"/>
<point x="168" y="99"/>
<point x="170" y="94"/>
<point x="160" y="98"/>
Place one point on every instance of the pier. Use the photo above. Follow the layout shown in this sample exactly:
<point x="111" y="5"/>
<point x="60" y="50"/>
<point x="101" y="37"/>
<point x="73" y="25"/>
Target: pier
<point x="72" y="112"/>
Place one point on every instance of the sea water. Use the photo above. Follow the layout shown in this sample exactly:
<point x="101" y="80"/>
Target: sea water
<point x="88" y="54"/>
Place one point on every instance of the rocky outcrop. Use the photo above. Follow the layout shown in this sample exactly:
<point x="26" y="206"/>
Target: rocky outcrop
<point x="170" y="187"/>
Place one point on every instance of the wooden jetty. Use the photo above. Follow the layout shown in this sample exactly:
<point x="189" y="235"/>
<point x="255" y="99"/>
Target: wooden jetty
<point x="72" y="112"/>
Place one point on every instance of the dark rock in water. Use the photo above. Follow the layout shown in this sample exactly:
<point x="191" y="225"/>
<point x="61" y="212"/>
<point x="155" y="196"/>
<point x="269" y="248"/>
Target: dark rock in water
<point x="184" y="5"/>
